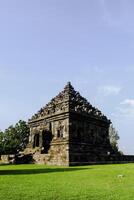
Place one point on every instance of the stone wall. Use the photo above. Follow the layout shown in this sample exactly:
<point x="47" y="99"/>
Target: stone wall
<point x="58" y="155"/>
<point x="49" y="140"/>
<point x="7" y="159"/>
<point x="88" y="140"/>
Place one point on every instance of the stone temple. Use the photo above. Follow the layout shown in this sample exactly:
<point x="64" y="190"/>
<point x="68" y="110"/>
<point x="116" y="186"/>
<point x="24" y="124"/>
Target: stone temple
<point x="69" y="131"/>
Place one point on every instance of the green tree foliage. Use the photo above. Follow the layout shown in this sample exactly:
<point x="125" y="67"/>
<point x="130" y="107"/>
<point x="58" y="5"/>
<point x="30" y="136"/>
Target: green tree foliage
<point x="22" y="130"/>
<point x="15" y="138"/>
<point x="1" y="141"/>
<point x="114" y="137"/>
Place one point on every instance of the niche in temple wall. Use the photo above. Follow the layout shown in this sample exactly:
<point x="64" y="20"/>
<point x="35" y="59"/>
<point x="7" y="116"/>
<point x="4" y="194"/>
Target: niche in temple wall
<point x="60" y="129"/>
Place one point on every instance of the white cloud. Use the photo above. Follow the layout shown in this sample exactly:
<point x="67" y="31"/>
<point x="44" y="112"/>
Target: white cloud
<point x="126" y="112"/>
<point x="109" y="90"/>
<point x="126" y="109"/>
<point x="128" y="102"/>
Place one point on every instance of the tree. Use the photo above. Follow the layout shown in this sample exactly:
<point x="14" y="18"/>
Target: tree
<point x="15" y="138"/>
<point x="114" y="137"/>
<point x="11" y="141"/>
<point x="23" y="131"/>
<point x="1" y="142"/>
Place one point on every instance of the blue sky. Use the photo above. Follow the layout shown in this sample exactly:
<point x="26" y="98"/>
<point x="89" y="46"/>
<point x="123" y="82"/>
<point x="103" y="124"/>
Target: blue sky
<point x="45" y="43"/>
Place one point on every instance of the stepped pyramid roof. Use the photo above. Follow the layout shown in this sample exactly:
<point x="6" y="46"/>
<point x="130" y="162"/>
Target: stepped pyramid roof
<point x="69" y="100"/>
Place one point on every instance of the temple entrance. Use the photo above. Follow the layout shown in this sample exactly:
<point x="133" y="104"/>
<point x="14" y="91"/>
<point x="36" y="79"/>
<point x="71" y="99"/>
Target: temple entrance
<point x="36" y="141"/>
<point x="46" y="141"/>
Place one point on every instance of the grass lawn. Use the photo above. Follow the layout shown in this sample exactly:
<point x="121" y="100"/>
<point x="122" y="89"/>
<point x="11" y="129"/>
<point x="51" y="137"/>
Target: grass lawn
<point x="39" y="182"/>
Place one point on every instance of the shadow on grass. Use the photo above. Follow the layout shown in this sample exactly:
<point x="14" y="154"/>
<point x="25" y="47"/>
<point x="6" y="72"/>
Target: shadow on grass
<point x="39" y="171"/>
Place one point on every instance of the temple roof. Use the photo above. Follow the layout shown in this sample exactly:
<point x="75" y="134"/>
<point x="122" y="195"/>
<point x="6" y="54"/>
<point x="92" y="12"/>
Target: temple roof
<point x="70" y="100"/>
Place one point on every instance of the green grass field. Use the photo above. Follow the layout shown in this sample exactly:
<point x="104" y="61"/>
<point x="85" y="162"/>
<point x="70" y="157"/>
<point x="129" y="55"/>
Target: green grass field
<point x="39" y="182"/>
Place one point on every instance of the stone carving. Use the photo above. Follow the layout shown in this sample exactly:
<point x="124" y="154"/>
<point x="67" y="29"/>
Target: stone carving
<point x="71" y="99"/>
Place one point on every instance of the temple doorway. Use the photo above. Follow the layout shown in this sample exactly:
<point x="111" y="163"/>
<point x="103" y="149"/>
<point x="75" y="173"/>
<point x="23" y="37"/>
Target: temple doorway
<point x="36" y="141"/>
<point x="46" y="141"/>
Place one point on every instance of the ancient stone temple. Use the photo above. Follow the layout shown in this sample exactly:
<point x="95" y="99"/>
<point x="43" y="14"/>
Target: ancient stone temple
<point x="69" y="131"/>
